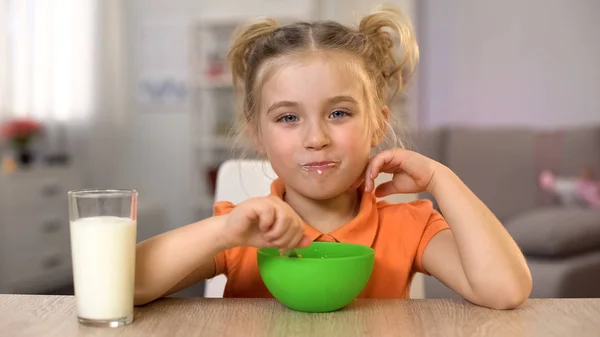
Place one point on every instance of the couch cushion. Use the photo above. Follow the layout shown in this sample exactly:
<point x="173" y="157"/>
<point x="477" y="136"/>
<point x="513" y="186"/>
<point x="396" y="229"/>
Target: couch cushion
<point x="497" y="164"/>
<point x="556" y="231"/>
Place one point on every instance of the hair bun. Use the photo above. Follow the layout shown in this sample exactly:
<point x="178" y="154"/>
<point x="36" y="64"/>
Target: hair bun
<point x="244" y="39"/>
<point x="385" y="29"/>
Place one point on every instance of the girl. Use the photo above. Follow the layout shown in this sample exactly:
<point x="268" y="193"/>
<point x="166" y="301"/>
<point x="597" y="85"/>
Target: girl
<point x="315" y="103"/>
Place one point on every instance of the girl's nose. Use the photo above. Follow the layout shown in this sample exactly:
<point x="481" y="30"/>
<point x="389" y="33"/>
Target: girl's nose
<point x="317" y="137"/>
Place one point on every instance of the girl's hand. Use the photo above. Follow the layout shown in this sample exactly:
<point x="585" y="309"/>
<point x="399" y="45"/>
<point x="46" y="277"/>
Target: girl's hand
<point x="264" y="222"/>
<point x="412" y="172"/>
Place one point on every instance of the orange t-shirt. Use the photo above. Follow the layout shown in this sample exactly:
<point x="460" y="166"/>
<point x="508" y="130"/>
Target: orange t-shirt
<point x="397" y="232"/>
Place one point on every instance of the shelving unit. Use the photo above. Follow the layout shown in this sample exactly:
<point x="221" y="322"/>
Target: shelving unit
<point x="213" y="106"/>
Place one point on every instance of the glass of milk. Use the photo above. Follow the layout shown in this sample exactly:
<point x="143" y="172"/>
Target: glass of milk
<point x="103" y="239"/>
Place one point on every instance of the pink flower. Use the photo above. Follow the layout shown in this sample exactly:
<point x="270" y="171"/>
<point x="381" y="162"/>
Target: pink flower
<point x="20" y="131"/>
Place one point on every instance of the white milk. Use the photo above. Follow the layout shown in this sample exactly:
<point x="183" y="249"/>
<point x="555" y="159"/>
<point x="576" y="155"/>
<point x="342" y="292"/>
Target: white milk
<point x="103" y="250"/>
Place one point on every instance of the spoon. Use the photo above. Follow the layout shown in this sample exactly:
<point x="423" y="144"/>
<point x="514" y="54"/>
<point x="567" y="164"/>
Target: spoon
<point x="289" y="253"/>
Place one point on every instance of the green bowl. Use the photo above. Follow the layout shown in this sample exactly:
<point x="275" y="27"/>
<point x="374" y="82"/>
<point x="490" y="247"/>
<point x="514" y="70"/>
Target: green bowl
<point x="326" y="277"/>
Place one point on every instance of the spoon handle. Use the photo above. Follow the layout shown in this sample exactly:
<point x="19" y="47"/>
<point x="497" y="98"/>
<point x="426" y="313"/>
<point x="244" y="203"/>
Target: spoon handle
<point x="289" y="253"/>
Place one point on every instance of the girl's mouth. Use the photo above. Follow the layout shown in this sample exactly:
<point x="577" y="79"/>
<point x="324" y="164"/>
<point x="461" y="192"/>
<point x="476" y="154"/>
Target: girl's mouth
<point x="319" y="166"/>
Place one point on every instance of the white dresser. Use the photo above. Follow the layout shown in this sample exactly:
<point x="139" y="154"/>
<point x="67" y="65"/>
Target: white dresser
<point x="34" y="229"/>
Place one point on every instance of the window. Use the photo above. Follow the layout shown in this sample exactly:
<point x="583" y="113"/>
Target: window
<point x="47" y="58"/>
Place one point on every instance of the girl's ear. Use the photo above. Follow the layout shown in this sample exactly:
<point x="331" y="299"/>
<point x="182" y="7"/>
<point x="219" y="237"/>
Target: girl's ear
<point x="380" y="134"/>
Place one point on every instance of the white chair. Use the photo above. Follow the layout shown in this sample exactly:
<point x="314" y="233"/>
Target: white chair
<point x="238" y="180"/>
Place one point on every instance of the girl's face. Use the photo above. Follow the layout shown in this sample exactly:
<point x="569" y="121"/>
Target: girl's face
<point x="312" y="126"/>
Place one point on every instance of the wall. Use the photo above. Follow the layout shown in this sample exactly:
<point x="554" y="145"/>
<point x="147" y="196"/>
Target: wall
<point x="3" y="62"/>
<point x="510" y="62"/>
<point x="350" y="11"/>
<point x="99" y="138"/>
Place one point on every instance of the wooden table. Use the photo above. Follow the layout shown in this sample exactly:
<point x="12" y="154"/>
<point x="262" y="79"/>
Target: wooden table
<point x="28" y="315"/>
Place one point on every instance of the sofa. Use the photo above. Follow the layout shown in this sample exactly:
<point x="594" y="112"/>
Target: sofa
<point x="501" y="165"/>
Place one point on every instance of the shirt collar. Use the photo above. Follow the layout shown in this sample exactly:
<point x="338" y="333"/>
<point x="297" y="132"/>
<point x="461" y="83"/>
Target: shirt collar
<point x="360" y="230"/>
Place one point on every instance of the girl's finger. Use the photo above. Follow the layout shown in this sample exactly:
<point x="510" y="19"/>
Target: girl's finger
<point x="304" y="242"/>
<point x="380" y="162"/>
<point x="280" y="225"/>
<point x="265" y="214"/>
<point x="297" y="238"/>
<point x="283" y="240"/>
<point x="385" y="189"/>
<point x="294" y="232"/>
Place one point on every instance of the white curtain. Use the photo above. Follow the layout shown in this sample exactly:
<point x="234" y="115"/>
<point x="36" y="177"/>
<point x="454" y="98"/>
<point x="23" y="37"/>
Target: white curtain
<point x="4" y="104"/>
<point x="50" y="52"/>
<point x="62" y="63"/>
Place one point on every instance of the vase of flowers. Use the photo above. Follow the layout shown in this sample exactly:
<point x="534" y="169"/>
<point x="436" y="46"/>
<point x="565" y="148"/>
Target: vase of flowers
<point x="20" y="133"/>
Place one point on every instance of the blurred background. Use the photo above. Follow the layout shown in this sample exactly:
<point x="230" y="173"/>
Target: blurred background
<point x="136" y="94"/>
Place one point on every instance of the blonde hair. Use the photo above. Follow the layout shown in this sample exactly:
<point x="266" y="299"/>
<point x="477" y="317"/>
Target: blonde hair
<point x="383" y="43"/>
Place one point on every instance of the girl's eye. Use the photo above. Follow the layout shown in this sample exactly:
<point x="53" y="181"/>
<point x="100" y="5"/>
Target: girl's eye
<point x="337" y="114"/>
<point x="288" y="119"/>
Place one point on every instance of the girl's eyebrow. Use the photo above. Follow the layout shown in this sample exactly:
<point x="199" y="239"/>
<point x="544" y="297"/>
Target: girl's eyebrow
<point x="282" y="104"/>
<point x="332" y="100"/>
<point x="338" y="99"/>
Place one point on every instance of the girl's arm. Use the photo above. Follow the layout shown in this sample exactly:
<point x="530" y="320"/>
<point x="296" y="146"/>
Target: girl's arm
<point x="177" y="259"/>
<point x="477" y="257"/>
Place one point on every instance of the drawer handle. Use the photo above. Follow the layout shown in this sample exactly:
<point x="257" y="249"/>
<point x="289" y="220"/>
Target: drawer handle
<point x="51" y="226"/>
<point x="52" y="262"/>
<point x="50" y="190"/>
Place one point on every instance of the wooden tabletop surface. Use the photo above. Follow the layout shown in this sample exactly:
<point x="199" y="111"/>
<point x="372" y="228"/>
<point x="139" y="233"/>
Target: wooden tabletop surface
<point x="33" y="315"/>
